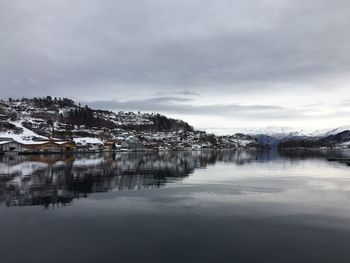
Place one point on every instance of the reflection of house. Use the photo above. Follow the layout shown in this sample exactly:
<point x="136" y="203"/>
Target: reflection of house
<point x="10" y="146"/>
<point x="90" y="147"/>
<point x="52" y="159"/>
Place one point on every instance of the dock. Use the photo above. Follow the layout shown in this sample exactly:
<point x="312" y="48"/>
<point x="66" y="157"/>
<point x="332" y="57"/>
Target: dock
<point x="334" y="159"/>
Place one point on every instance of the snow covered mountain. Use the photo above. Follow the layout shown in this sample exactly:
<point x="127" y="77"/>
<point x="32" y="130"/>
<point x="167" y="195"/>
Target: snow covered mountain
<point x="274" y="131"/>
<point x="274" y="135"/>
<point x="328" y="132"/>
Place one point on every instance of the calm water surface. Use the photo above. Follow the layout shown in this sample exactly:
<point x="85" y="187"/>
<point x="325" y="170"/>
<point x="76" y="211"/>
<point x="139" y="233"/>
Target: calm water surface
<point x="225" y="206"/>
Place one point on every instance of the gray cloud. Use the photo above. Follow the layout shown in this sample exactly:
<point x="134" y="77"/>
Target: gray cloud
<point x="48" y="45"/>
<point x="180" y="105"/>
<point x="122" y="50"/>
<point x="345" y="103"/>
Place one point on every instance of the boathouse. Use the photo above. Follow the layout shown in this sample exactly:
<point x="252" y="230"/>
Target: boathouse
<point x="10" y="146"/>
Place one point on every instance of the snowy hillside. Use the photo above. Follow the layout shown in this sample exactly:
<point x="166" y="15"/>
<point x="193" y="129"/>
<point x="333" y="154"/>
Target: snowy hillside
<point x="328" y="132"/>
<point x="30" y="120"/>
<point x="24" y="136"/>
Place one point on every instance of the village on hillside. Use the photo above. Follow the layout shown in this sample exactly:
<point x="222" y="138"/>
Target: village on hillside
<point x="58" y="125"/>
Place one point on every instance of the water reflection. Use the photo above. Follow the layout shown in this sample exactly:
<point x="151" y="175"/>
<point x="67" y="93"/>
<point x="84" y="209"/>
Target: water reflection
<point x="29" y="180"/>
<point x="58" y="179"/>
<point x="243" y="207"/>
<point x="314" y="154"/>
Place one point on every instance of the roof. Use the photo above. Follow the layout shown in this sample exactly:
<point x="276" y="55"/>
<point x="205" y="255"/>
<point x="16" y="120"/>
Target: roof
<point x="46" y="142"/>
<point x="22" y="141"/>
<point x="63" y="142"/>
<point x="4" y="142"/>
<point x="35" y="143"/>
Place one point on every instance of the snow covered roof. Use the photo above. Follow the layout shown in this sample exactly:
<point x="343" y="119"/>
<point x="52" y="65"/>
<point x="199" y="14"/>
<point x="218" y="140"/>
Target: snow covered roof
<point x="26" y="140"/>
<point x="19" y="138"/>
<point x="4" y="142"/>
<point x="61" y="142"/>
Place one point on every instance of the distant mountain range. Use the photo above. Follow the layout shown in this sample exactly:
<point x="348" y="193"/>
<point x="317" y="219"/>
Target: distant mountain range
<point x="277" y="131"/>
<point x="276" y="136"/>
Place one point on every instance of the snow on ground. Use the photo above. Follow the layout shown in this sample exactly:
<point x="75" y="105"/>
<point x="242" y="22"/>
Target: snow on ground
<point x="26" y="132"/>
<point x="244" y="142"/>
<point x="25" y="137"/>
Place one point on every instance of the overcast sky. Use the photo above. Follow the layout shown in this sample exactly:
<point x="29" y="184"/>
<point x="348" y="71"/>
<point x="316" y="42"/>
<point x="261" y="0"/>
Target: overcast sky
<point x="216" y="64"/>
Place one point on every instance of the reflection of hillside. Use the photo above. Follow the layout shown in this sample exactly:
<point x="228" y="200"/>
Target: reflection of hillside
<point x="58" y="179"/>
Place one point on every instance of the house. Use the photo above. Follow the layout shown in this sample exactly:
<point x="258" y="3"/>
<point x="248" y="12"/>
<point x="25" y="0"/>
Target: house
<point x="42" y="146"/>
<point x="132" y="143"/>
<point x="10" y="146"/>
<point x="88" y="144"/>
<point x="48" y="146"/>
<point x="109" y="146"/>
<point x="3" y="117"/>
<point x="196" y="147"/>
<point x="66" y="146"/>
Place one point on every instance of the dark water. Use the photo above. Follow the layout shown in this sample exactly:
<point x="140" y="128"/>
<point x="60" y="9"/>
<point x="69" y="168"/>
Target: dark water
<point x="175" y="207"/>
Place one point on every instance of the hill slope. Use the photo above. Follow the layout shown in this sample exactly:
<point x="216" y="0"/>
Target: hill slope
<point x="61" y="118"/>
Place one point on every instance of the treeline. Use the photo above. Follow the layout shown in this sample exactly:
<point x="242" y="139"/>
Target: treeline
<point x="49" y="102"/>
<point x="161" y="123"/>
<point x="46" y="101"/>
<point x="85" y="116"/>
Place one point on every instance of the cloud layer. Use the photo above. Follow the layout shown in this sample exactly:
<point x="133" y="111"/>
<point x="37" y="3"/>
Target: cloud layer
<point x="254" y="59"/>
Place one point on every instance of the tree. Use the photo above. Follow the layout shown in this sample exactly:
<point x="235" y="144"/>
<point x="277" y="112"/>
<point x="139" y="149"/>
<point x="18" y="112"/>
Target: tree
<point x="13" y="116"/>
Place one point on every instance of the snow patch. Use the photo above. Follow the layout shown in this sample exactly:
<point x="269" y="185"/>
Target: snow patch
<point x="87" y="140"/>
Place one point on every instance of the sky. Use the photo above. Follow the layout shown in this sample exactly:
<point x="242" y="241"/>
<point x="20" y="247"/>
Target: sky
<point x="220" y="65"/>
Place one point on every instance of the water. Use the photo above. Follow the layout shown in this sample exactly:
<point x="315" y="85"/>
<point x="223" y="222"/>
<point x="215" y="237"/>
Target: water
<point x="175" y="207"/>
